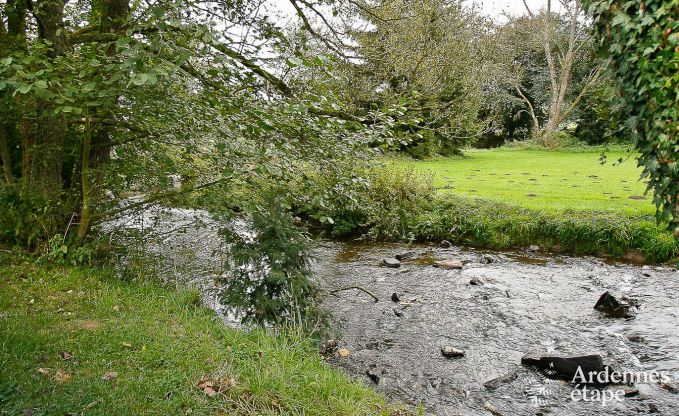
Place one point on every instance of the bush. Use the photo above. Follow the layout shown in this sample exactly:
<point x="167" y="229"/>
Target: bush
<point x="27" y="217"/>
<point x="381" y="202"/>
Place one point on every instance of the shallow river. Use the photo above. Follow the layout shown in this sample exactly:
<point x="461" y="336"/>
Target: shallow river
<point x="530" y="302"/>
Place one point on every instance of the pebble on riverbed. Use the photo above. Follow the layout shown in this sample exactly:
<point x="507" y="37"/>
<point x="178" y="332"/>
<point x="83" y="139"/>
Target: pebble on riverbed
<point x="477" y="281"/>
<point x="391" y="263"/>
<point x="405" y="256"/>
<point x="448" y="264"/>
<point x="451" y="352"/>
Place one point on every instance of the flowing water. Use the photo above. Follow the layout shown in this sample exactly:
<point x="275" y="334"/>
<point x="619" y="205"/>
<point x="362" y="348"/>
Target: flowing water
<point x="530" y="302"/>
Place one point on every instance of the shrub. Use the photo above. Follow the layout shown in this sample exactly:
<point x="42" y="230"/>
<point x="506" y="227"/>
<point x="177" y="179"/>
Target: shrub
<point x="381" y="202"/>
<point x="27" y="217"/>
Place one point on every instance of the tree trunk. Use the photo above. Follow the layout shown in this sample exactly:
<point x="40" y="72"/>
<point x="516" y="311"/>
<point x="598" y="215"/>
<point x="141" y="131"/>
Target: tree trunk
<point x="97" y="149"/>
<point x="15" y="39"/>
<point x="4" y="152"/>
<point x="47" y="150"/>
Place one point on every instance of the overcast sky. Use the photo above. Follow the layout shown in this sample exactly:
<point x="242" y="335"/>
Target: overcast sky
<point x="492" y="8"/>
<point x="495" y="8"/>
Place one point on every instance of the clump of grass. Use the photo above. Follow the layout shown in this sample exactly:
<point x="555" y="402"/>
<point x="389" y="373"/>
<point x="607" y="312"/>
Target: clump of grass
<point x="491" y="224"/>
<point x="160" y="343"/>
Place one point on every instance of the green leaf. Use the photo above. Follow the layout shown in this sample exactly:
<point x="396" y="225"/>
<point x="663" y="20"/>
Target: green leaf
<point x="294" y="62"/>
<point x="140" y="79"/>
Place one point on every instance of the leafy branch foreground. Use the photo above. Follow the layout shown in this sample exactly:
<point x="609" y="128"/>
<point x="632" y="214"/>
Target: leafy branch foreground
<point x="78" y="341"/>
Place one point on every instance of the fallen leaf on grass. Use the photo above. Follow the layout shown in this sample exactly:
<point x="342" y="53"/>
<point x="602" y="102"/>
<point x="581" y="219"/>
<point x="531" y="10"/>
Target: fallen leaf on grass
<point x="209" y="392"/>
<point x="343" y="352"/>
<point x="66" y="356"/>
<point x="62" y="376"/>
<point x="213" y="387"/>
<point x="109" y="375"/>
<point x="89" y="325"/>
<point x="44" y="371"/>
<point x="127" y="344"/>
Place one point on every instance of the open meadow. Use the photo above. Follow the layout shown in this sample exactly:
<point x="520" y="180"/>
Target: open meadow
<point x="545" y="180"/>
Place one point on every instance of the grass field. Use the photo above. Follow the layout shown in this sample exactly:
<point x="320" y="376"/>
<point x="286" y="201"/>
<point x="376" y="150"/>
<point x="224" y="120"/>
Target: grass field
<point x="80" y="341"/>
<point x="545" y="180"/>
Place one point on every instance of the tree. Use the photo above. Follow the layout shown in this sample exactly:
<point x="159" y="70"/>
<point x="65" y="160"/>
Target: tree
<point x="422" y="61"/>
<point x="85" y="85"/>
<point x="562" y="45"/>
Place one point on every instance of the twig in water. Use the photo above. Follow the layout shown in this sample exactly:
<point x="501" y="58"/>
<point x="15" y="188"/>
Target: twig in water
<point x="332" y="292"/>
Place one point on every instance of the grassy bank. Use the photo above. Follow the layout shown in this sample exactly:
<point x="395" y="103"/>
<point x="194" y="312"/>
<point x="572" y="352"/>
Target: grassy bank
<point x="486" y="223"/>
<point x="566" y="202"/>
<point x="542" y="180"/>
<point x="78" y="341"/>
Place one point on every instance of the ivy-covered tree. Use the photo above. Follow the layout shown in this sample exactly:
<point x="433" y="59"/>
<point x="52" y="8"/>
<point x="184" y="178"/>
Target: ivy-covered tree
<point x="642" y="40"/>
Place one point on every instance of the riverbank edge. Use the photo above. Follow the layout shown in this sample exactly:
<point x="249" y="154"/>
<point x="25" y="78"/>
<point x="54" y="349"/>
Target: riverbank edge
<point x="76" y="339"/>
<point x="489" y="224"/>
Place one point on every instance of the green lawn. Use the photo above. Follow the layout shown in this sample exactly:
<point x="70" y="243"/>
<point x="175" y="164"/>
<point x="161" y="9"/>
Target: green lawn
<point x="79" y="341"/>
<point x="547" y="180"/>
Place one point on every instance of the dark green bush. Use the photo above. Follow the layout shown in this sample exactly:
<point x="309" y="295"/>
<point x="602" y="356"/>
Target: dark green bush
<point x="26" y="218"/>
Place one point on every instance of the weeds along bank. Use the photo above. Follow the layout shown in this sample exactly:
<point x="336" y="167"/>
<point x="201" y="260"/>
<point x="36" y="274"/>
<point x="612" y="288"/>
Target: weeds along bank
<point x="400" y="204"/>
<point x="81" y="341"/>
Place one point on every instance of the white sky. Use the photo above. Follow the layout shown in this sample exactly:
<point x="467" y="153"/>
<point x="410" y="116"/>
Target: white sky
<point x="496" y="8"/>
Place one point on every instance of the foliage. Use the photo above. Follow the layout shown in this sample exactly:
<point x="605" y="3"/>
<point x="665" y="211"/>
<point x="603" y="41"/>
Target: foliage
<point x="380" y="201"/>
<point x="642" y="39"/>
<point x="268" y="277"/>
<point x="426" y="57"/>
<point x="160" y="342"/>
<point x="598" y="118"/>
<point x="26" y="216"/>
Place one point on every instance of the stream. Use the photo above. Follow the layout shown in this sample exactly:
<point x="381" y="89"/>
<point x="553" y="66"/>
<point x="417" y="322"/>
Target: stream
<point x="528" y="302"/>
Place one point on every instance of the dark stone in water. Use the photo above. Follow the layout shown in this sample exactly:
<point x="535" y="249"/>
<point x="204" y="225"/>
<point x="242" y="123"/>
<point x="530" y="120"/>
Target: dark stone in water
<point x="394" y="297"/>
<point x="565" y="367"/>
<point x="477" y="281"/>
<point x="616" y="306"/>
<point x="373" y="374"/>
<point x="495" y="383"/>
<point x="630" y="391"/>
<point x="671" y="387"/>
<point x="446" y="244"/>
<point x="451" y="352"/>
<point x="405" y="256"/>
<point x="391" y="263"/>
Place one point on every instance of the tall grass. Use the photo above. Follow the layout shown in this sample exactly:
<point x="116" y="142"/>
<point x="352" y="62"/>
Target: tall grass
<point x="398" y="204"/>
